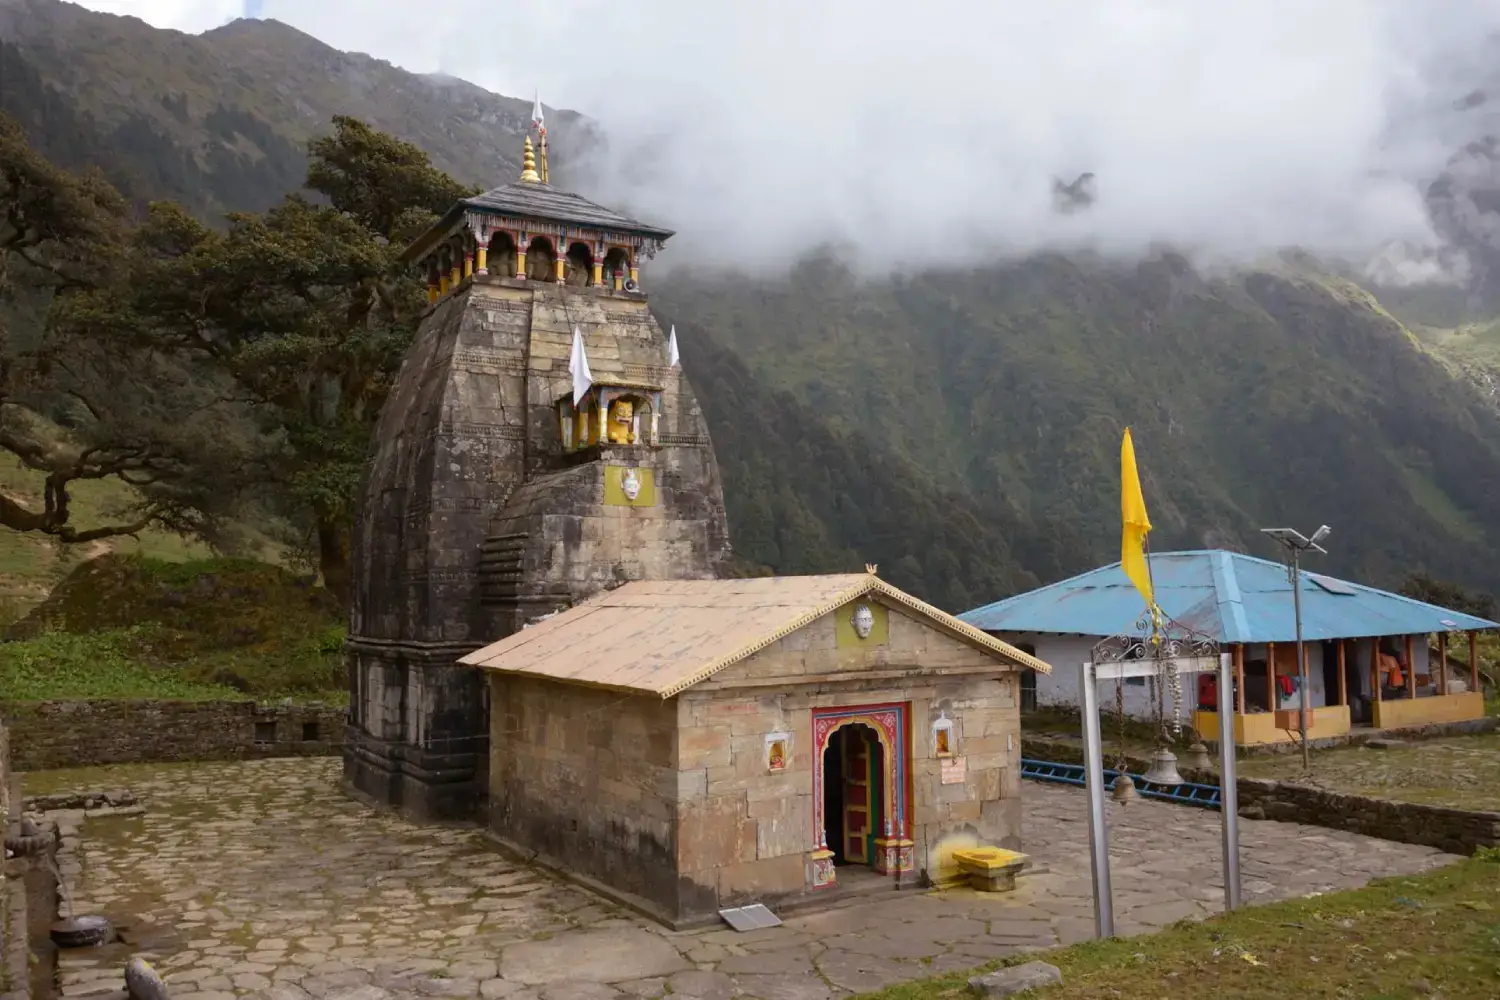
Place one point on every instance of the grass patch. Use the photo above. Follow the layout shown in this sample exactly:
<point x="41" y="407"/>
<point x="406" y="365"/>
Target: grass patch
<point x="134" y="627"/>
<point x="1461" y="772"/>
<point x="1431" y="934"/>
<point x="31" y="563"/>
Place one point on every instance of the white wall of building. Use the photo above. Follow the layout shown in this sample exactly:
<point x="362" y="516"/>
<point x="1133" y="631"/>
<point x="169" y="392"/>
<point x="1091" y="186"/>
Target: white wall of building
<point x="1066" y="653"/>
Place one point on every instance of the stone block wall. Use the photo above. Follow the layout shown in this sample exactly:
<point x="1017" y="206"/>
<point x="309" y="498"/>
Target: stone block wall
<point x="1460" y="831"/>
<point x="746" y="832"/>
<point x="586" y="778"/>
<point x="55" y="734"/>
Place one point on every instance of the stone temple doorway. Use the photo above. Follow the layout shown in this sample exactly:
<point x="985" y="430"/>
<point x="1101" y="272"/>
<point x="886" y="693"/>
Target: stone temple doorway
<point x="853" y="794"/>
<point x="861" y="790"/>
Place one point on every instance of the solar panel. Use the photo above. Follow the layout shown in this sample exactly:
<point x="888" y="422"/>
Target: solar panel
<point x="1331" y="585"/>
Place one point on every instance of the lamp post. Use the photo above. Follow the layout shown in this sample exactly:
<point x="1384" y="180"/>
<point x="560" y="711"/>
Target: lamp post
<point x="1296" y="544"/>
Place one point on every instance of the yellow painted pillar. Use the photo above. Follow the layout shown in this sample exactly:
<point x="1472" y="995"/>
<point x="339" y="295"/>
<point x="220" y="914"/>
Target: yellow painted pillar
<point x="443" y="285"/>
<point x="432" y="293"/>
<point x="520" y="263"/>
<point x="484" y="260"/>
<point x="635" y="276"/>
<point x="598" y="272"/>
<point x="560" y="267"/>
<point x="468" y="265"/>
<point x="455" y="275"/>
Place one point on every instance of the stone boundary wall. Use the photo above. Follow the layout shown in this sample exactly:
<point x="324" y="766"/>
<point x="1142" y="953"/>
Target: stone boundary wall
<point x="1458" y="831"/>
<point x="56" y="734"/>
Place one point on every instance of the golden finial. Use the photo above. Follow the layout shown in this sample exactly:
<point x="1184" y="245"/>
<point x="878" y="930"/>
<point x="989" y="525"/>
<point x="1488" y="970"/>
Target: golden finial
<point x="528" y="165"/>
<point x="870" y="568"/>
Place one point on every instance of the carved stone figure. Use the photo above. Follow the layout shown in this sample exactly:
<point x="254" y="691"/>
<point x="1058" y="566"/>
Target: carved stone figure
<point x="622" y="422"/>
<point x="864" y="621"/>
<point x="630" y="484"/>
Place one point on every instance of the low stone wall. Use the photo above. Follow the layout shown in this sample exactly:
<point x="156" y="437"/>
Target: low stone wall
<point x="1459" y="831"/>
<point x="54" y="734"/>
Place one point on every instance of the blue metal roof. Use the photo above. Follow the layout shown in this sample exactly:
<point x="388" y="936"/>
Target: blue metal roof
<point x="1232" y="597"/>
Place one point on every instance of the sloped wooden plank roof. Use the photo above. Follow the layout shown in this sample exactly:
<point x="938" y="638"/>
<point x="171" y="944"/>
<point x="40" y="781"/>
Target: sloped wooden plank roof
<point x="663" y="636"/>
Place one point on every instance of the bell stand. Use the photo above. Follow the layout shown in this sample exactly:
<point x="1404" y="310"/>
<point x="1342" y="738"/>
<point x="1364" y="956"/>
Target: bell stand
<point x="1093" y="773"/>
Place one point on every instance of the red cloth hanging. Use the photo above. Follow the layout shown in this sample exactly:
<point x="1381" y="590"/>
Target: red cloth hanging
<point x="1208" y="692"/>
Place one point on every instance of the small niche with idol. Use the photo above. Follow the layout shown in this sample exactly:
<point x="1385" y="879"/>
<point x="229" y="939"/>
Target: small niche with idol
<point x="616" y="414"/>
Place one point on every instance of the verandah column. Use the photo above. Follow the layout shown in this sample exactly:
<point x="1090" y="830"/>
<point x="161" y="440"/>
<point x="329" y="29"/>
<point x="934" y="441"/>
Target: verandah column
<point x="1270" y="677"/>
<point x="1343" y="681"/>
<point x="1411" y="671"/>
<point x="1375" y="667"/>
<point x="1239" y="678"/>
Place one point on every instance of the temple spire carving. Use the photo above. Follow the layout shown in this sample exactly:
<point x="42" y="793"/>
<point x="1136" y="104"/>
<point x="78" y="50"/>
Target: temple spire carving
<point x="528" y="165"/>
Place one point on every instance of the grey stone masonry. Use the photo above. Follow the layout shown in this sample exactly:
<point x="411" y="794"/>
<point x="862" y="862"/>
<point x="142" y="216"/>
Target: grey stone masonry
<point x="475" y="519"/>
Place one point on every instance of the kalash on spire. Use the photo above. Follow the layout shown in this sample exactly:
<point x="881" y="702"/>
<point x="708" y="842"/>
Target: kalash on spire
<point x="541" y="443"/>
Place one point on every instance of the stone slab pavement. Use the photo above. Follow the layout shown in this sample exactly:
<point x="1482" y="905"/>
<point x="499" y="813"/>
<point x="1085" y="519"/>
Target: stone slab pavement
<point x="261" y="879"/>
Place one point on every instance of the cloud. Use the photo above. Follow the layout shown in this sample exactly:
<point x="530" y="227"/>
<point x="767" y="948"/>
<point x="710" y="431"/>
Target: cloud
<point x="921" y="134"/>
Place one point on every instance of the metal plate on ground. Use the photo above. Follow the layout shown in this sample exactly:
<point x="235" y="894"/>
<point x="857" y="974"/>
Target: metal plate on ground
<point x="750" y="918"/>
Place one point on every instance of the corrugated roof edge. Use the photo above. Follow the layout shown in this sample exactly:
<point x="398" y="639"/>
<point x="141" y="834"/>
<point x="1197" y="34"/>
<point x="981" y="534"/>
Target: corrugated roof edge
<point x="872" y="584"/>
<point x="1478" y="624"/>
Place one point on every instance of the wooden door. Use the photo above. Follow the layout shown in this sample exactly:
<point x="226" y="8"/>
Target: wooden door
<point x="859" y="795"/>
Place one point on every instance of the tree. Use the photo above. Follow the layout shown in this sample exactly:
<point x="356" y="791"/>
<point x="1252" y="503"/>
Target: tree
<point x="308" y="311"/>
<point x="1422" y="587"/>
<point x="79" y="400"/>
<point x="386" y="184"/>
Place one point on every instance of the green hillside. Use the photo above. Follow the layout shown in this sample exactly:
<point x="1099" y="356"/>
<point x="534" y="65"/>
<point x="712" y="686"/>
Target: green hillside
<point x="961" y="428"/>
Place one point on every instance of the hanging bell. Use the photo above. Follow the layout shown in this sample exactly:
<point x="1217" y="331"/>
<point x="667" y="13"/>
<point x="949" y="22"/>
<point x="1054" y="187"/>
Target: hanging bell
<point x="1163" y="769"/>
<point x="1197" y="758"/>
<point x="1124" y="790"/>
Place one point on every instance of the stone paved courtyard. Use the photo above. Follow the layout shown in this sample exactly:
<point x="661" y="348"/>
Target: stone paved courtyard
<point x="260" y="879"/>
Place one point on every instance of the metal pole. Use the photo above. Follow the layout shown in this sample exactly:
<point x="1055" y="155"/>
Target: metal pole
<point x="1229" y="797"/>
<point x="1093" y="777"/>
<point x="1303" y="693"/>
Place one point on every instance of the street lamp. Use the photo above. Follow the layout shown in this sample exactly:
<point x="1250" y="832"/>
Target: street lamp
<point x="1296" y="544"/>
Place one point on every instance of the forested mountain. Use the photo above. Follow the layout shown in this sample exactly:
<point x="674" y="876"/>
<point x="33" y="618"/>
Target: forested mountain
<point x="959" y="427"/>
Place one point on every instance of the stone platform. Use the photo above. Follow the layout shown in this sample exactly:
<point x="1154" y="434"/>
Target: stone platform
<point x="261" y="879"/>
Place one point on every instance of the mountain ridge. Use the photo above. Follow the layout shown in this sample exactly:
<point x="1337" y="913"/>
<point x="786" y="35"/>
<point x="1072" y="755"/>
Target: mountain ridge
<point x="960" y="427"/>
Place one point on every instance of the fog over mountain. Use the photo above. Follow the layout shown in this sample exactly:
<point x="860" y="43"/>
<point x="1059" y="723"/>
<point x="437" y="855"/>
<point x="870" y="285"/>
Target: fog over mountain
<point x="938" y="133"/>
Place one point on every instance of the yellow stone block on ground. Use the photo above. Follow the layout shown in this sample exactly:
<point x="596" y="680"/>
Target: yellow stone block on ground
<point x="990" y="869"/>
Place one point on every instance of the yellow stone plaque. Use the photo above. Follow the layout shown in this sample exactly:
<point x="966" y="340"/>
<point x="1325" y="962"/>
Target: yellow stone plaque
<point x="862" y="623"/>
<point x="629" y="486"/>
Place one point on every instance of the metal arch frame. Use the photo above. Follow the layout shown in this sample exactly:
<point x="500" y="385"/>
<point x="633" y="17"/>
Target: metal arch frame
<point x="1142" y="654"/>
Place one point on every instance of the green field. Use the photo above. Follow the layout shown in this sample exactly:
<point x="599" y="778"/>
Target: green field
<point x="1432" y="935"/>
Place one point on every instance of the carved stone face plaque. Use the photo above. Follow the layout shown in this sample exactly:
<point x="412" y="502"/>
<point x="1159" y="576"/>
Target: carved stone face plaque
<point x="630" y="484"/>
<point x="864" y="621"/>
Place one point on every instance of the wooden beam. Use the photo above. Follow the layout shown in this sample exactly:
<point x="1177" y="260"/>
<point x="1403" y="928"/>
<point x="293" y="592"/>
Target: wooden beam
<point x="1270" y="677"/>
<point x="1411" y="671"/>
<point x="1474" y="663"/>
<point x="1375" y="666"/>
<point x="1343" y="681"/>
<point x="1239" y="676"/>
<point x="1442" y="684"/>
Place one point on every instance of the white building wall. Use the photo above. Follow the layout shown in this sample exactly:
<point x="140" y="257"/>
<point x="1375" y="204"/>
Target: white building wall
<point x="1067" y="652"/>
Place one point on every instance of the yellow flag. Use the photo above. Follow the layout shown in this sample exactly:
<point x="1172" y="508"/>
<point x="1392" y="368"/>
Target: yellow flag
<point x="1136" y="524"/>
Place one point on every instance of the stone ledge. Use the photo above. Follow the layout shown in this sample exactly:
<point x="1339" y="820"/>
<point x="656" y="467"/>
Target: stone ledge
<point x="1457" y="831"/>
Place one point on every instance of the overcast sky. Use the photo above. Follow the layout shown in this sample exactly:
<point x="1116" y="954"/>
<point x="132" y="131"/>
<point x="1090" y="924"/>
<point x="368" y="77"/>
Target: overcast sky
<point x="934" y="131"/>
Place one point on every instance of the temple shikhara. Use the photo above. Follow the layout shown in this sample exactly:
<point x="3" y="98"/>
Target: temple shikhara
<point x="543" y="637"/>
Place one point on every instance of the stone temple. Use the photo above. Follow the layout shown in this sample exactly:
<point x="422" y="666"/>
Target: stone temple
<point x="497" y="494"/>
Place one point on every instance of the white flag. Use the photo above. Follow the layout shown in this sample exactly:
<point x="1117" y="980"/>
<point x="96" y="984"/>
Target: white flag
<point x="673" y="358"/>
<point x="578" y="365"/>
<point x="536" y="115"/>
